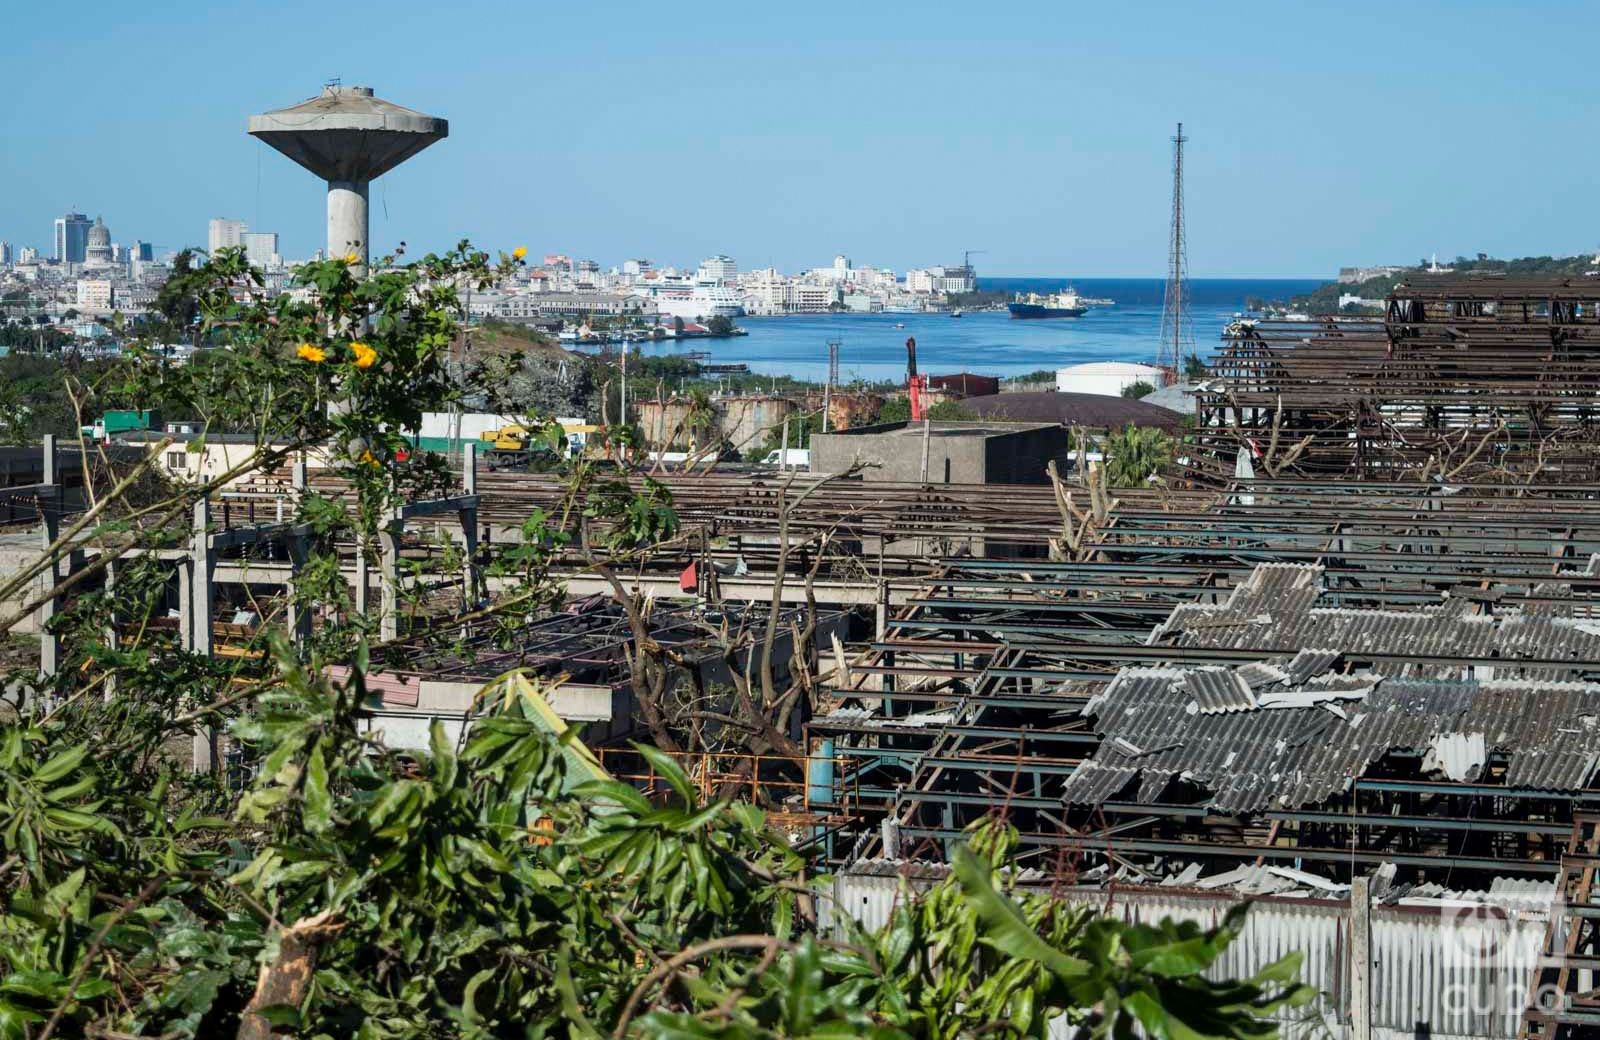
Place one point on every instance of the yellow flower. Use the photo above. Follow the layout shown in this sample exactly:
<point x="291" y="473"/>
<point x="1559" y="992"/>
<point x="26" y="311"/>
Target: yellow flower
<point x="310" y="353"/>
<point x="352" y="258"/>
<point x="369" y="458"/>
<point x="520" y="252"/>
<point x="365" y="355"/>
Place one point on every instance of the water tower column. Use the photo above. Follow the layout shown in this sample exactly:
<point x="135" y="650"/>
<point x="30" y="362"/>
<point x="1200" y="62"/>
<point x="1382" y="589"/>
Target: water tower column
<point x="347" y="221"/>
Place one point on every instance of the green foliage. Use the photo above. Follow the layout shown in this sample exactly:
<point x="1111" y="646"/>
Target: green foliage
<point x="1194" y="369"/>
<point x="482" y="889"/>
<point x="1134" y="454"/>
<point x="1136" y="390"/>
<point x="720" y="325"/>
<point x="898" y="410"/>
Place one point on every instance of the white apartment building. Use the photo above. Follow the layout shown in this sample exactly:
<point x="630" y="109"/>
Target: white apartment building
<point x="261" y="249"/>
<point x="225" y="234"/>
<point x="95" y="294"/>
<point x="719" y="269"/>
<point x="809" y="298"/>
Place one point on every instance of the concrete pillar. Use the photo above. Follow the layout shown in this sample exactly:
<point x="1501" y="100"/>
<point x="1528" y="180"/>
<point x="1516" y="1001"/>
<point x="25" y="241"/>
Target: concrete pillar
<point x="202" y="603"/>
<point x="470" y="591"/>
<point x="389" y="581"/>
<point x="49" y="642"/>
<point x="113" y="636"/>
<point x="363" y="582"/>
<point x="1361" y="959"/>
<point x="347" y="221"/>
<point x="202" y="573"/>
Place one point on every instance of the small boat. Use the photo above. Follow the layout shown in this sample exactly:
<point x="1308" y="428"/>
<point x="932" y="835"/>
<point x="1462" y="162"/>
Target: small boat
<point x="956" y="313"/>
<point x="899" y="324"/>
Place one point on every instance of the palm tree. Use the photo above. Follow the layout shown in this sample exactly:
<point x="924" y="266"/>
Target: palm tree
<point x="1133" y="453"/>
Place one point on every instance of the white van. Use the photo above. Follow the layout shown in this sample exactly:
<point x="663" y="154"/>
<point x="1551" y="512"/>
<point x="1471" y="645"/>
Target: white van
<point x="788" y="458"/>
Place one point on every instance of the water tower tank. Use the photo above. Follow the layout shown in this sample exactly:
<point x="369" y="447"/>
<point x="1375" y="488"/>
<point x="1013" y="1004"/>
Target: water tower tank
<point x="348" y="137"/>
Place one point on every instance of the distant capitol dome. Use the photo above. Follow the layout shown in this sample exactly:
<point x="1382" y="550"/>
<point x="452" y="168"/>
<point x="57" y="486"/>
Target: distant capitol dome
<point x="99" y="248"/>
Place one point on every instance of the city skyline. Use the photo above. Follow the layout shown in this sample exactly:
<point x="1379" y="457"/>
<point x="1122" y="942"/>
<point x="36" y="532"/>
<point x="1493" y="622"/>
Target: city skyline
<point x="1037" y="135"/>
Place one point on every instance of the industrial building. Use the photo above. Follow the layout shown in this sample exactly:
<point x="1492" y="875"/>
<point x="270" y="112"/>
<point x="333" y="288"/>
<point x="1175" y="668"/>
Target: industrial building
<point x="943" y="452"/>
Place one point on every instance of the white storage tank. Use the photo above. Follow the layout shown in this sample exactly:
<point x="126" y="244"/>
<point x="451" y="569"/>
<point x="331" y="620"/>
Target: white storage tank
<point x="1107" y="378"/>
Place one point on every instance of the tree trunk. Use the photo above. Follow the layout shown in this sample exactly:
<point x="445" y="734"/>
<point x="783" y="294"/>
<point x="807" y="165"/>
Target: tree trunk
<point x="286" y="979"/>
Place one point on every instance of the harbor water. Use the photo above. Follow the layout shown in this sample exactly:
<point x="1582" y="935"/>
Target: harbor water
<point x="872" y="347"/>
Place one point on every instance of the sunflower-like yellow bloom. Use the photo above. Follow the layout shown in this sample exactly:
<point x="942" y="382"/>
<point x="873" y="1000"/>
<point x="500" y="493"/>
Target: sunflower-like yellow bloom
<point x="365" y="355"/>
<point x="310" y="353"/>
<point x="352" y="258"/>
<point x="520" y="252"/>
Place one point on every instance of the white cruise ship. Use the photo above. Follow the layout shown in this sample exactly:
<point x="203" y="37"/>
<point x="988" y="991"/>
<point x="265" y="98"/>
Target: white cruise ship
<point x="689" y="299"/>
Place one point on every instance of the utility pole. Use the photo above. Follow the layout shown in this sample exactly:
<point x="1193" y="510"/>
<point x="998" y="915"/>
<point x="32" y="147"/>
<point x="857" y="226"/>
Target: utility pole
<point x="1177" y="335"/>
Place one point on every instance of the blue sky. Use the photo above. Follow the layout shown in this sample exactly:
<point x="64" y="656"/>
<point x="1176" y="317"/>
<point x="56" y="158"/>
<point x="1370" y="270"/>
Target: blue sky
<point x="897" y="133"/>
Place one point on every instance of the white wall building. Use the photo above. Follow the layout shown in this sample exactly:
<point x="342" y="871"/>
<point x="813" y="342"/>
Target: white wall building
<point x="225" y="234"/>
<point x="718" y="269"/>
<point x="1108" y="378"/>
<point x="261" y="249"/>
<point x="95" y="294"/>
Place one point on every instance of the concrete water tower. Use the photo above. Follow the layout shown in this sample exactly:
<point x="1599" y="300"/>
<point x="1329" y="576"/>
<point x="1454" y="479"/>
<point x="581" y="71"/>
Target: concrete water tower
<point x="348" y="138"/>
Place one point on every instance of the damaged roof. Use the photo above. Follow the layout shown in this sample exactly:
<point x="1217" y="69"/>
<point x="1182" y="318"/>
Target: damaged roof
<point x="1274" y="609"/>
<point x="1297" y="744"/>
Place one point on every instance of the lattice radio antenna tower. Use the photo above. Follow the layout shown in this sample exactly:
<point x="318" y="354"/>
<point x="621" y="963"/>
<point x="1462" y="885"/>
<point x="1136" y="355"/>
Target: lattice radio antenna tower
<point x="1177" y="333"/>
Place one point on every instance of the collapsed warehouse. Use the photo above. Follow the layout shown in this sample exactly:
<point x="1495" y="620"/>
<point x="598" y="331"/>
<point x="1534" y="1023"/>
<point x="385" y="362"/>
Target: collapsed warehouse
<point x="1365" y="667"/>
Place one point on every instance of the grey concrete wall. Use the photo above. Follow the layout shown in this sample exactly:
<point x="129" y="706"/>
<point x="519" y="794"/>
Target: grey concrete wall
<point x="958" y="453"/>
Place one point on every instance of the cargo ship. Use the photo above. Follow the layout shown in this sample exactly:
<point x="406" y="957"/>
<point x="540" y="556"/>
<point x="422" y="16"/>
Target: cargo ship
<point x="1064" y="304"/>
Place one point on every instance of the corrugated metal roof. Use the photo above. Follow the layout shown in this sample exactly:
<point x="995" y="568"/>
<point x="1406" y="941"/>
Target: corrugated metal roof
<point x="1217" y="689"/>
<point x="1274" y="608"/>
<point x="1302" y="754"/>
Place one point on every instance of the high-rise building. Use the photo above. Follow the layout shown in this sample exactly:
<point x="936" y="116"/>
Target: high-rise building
<point x="27" y="255"/>
<point x="225" y="234"/>
<point x="72" y="238"/>
<point x="5" y="254"/>
<point x="97" y="251"/>
<point x="260" y="248"/>
<point x="143" y="250"/>
<point x="719" y="269"/>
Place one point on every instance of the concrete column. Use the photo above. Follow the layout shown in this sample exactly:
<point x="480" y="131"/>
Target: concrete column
<point x="363" y="582"/>
<point x="202" y="602"/>
<point x="470" y="590"/>
<point x="1361" y="958"/>
<point x="389" y="579"/>
<point x="185" y="604"/>
<point x="347" y="221"/>
<point x="49" y="642"/>
<point x="112" y="636"/>
<point x="203" y="574"/>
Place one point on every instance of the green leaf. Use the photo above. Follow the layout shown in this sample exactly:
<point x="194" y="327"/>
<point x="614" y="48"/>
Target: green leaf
<point x="1005" y="929"/>
<point x="60" y="764"/>
<point x="625" y="795"/>
<point x="669" y="770"/>
<point x="319" y="810"/>
<point x="281" y="1017"/>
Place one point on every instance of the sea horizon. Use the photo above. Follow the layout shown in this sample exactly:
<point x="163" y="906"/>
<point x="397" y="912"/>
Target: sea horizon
<point x="872" y="346"/>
